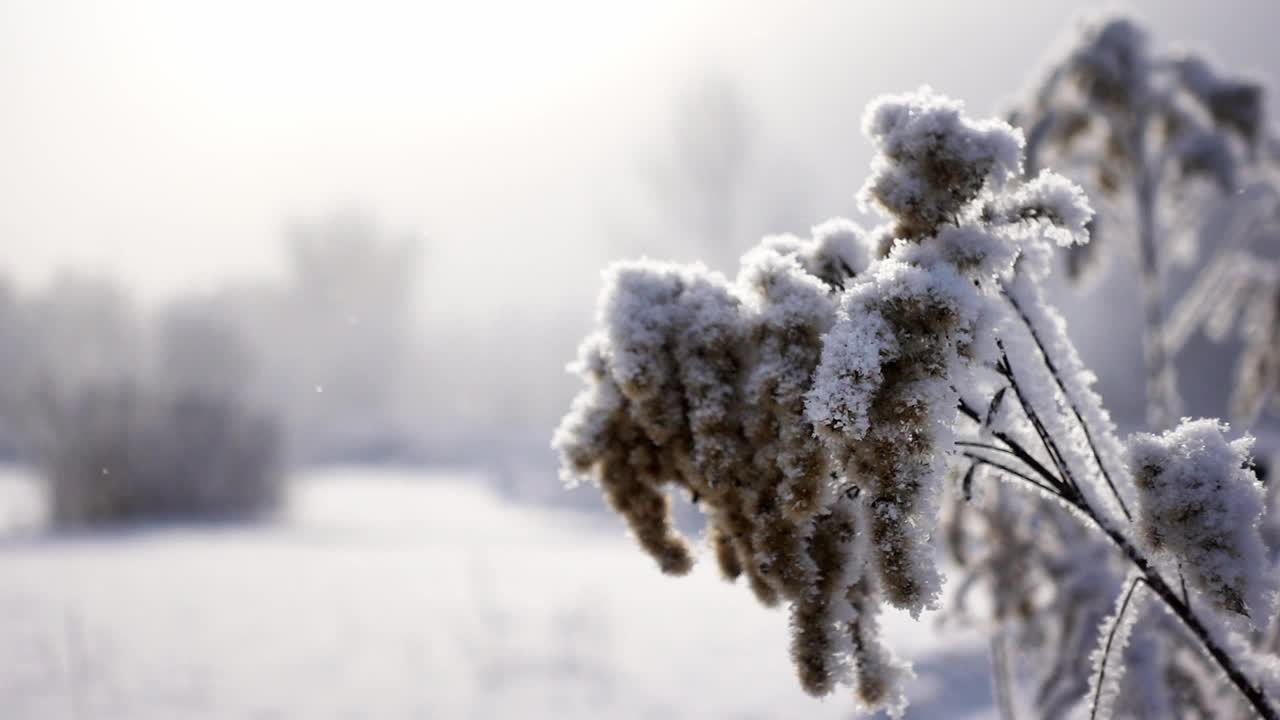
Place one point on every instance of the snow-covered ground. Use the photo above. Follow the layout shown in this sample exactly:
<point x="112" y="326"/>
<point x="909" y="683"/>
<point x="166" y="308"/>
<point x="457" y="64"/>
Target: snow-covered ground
<point x="403" y="594"/>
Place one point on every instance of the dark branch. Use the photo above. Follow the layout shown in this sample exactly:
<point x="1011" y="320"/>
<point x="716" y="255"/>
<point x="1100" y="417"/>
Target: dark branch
<point x="1006" y="469"/>
<point x="1150" y="576"/>
<point x="985" y="446"/>
<point x="1015" y="448"/>
<point x="1050" y="445"/>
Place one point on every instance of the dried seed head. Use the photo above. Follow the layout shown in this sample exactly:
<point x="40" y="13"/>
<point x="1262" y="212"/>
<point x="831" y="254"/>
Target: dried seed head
<point x="1110" y="64"/>
<point x="879" y="677"/>
<point x="1237" y="105"/>
<point x="933" y="161"/>
<point x="882" y="397"/>
<point x="807" y="405"/>
<point x="819" y="613"/>
<point x="1199" y="502"/>
<point x="726" y="554"/>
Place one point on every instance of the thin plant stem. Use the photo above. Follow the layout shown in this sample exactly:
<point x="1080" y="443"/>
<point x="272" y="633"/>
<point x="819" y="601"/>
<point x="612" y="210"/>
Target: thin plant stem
<point x="1050" y="445"/>
<point x="1010" y="471"/>
<point x="1015" y="448"/>
<point x="985" y="446"/>
<point x="1000" y="670"/>
<point x="1075" y="410"/>
<point x="1159" y="404"/>
<point x="1106" y="649"/>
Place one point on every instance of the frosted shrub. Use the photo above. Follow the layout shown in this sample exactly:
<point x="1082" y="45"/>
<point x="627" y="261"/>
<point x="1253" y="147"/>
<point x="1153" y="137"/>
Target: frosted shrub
<point x="174" y="438"/>
<point x="125" y="453"/>
<point x="820" y="406"/>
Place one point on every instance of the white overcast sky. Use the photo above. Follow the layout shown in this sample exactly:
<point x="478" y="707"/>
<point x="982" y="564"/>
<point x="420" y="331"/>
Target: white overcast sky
<point x="168" y="143"/>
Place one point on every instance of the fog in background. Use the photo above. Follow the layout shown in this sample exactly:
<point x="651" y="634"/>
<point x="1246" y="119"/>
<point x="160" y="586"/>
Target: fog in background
<point x="175" y="149"/>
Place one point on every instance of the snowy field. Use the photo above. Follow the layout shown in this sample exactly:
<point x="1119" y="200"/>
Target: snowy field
<point x="403" y="594"/>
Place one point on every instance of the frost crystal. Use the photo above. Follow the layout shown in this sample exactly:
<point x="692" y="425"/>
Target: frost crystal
<point x="1056" y="200"/>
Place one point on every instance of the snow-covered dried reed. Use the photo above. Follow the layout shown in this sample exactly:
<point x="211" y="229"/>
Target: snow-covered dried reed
<point x="818" y="407"/>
